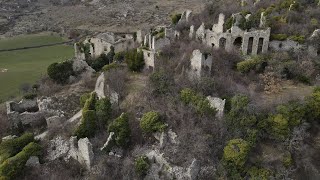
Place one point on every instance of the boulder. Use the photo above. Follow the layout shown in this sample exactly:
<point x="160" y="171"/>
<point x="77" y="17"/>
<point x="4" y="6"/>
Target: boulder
<point x="194" y="169"/>
<point x="85" y="150"/>
<point x="108" y="143"/>
<point x="55" y="121"/>
<point x="80" y="66"/>
<point x="33" y="161"/>
<point x="9" y="137"/>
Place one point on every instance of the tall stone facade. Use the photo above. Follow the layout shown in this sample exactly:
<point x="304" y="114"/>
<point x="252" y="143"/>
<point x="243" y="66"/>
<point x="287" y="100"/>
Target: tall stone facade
<point x="102" y="43"/>
<point x="200" y="64"/>
<point x="250" y="42"/>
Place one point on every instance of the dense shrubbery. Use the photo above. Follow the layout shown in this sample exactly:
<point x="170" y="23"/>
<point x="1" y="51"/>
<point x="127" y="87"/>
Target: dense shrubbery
<point x="30" y="95"/>
<point x="160" y="82"/>
<point x="103" y="111"/>
<point x="256" y="173"/>
<point x="13" y="166"/>
<point x="239" y="116"/>
<point x="60" y="72"/>
<point x="83" y="99"/>
<point x="142" y="165"/>
<point x="121" y="129"/>
<point x="235" y="153"/>
<point x="279" y="126"/>
<point x="151" y="122"/>
<point x="135" y="60"/>
<point x="100" y="62"/>
<point x="110" y="66"/>
<point x="287" y="159"/>
<point x="313" y="105"/>
<point x="90" y="102"/>
<point x="119" y="57"/>
<point x="11" y="147"/>
<point x="88" y="124"/>
<point x="299" y="39"/>
<point x="200" y="103"/>
<point x="175" y="18"/>
<point x="279" y="37"/>
<point x="250" y="64"/>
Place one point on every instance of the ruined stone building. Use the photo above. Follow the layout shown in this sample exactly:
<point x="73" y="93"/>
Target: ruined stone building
<point x="201" y="64"/>
<point x="153" y="42"/>
<point x="249" y="42"/>
<point x="103" y="42"/>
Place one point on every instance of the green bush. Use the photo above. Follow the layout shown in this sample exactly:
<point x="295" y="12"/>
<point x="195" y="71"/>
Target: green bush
<point x="121" y="129"/>
<point x="88" y="125"/>
<point x="187" y="95"/>
<point x="200" y="103"/>
<point x="30" y="96"/>
<point x="119" y="57"/>
<point x="255" y="173"/>
<point x="279" y="126"/>
<point x="279" y="37"/>
<point x="229" y="23"/>
<point x="175" y="18"/>
<point x="151" y="122"/>
<point x="91" y="102"/>
<point x="239" y="115"/>
<point x="103" y="111"/>
<point x="13" y="166"/>
<point x="299" y="39"/>
<point x="83" y="98"/>
<point x="160" y="82"/>
<point x="11" y="147"/>
<point x="293" y="111"/>
<point x="287" y="160"/>
<point x="313" y="105"/>
<point x="142" y="165"/>
<point x="60" y="72"/>
<point x="248" y="65"/>
<point x="135" y="60"/>
<point x="110" y="66"/>
<point x="103" y="60"/>
<point x="235" y="153"/>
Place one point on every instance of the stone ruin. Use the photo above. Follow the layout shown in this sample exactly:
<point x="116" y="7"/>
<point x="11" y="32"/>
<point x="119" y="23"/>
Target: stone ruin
<point x="201" y="64"/>
<point x="33" y="113"/>
<point x="251" y="42"/>
<point x="152" y="44"/>
<point x="218" y="104"/>
<point x="314" y="50"/>
<point x="102" y="43"/>
<point x="80" y="150"/>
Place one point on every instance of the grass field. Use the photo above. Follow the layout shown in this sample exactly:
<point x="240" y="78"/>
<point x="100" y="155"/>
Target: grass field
<point x="27" y="66"/>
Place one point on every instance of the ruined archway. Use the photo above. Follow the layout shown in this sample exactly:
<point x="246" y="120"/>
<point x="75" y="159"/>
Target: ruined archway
<point x="237" y="43"/>
<point x="260" y="45"/>
<point x="212" y="44"/>
<point x="222" y="43"/>
<point x="250" y="44"/>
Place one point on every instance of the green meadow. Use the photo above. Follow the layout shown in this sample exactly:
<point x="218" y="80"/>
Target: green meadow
<point x="27" y="66"/>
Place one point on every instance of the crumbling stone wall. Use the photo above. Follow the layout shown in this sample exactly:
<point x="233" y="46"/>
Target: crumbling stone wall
<point x="149" y="58"/>
<point x="248" y="42"/>
<point x="153" y="45"/>
<point x="102" y="43"/>
<point x="186" y="16"/>
<point x="314" y="46"/>
<point x="286" y="45"/>
<point x="200" y="64"/>
<point x="71" y="148"/>
<point x="218" y="104"/>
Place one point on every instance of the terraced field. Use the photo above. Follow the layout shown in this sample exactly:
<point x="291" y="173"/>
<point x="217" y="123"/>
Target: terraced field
<point x="27" y="66"/>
